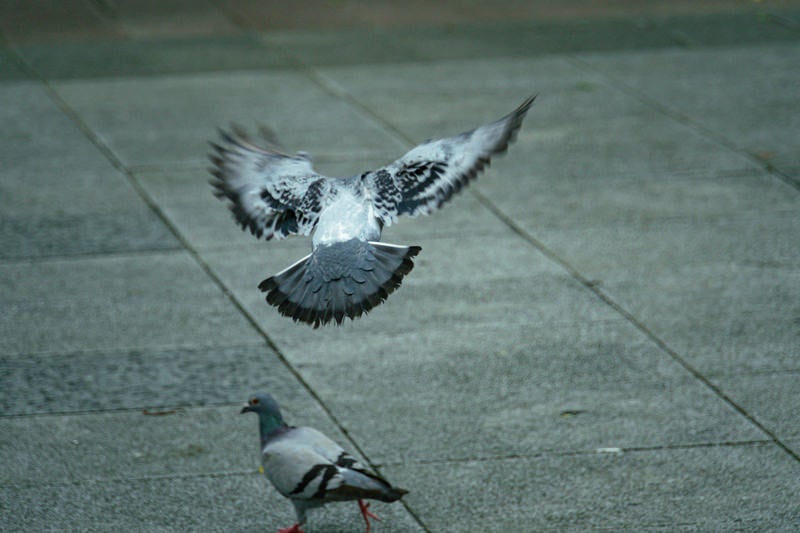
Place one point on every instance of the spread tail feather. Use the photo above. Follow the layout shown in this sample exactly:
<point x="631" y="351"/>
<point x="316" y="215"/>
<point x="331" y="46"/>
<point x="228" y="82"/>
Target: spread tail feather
<point x="344" y="279"/>
<point x="384" y="492"/>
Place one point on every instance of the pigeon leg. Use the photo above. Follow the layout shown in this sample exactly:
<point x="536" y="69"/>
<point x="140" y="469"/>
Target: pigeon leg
<point x="294" y="529"/>
<point x="366" y="513"/>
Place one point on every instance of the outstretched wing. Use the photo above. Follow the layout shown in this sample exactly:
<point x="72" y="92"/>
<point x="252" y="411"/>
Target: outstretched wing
<point x="428" y="175"/>
<point x="271" y="193"/>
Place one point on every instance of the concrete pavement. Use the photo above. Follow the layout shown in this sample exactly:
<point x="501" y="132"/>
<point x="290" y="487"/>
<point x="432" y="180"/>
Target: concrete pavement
<point x="601" y="334"/>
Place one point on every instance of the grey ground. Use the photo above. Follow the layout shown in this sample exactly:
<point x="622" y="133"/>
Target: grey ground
<point x="602" y="334"/>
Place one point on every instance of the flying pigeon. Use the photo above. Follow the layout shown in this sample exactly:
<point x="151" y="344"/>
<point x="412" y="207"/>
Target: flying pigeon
<point x="310" y="469"/>
<point x="348" y="272"/>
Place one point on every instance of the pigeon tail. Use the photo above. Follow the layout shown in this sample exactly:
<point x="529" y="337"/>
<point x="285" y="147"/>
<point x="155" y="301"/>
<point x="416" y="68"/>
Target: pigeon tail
<point x="343" y="279"/>
<point x="393" y="494"/>
<point x="364" y="485"/>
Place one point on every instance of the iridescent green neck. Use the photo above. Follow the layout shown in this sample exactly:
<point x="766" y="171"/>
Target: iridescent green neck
<point x="270" y="424"/>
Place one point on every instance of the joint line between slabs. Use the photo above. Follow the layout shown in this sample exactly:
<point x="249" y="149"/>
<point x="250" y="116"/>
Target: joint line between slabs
<point x="336" y="91"/>
<point x="345" y="95"/>
<point x="587" y="452"/>
<point x="106" y="151"/>
<point x="688" y="121"/>
<point x="638" y="324"/>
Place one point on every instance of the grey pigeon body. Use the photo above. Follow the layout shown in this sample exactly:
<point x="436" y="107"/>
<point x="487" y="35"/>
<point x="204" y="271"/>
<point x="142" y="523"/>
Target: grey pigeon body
<point x="310" y="469"/>
<point x="275" y="195"/>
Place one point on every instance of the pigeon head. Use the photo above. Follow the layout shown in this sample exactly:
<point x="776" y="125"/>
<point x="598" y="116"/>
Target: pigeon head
<point x="269" y="414"/>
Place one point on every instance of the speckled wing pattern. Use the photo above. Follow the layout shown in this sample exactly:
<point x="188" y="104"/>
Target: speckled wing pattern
<point x="271" y="193"/>
<point x="428" y="175"/>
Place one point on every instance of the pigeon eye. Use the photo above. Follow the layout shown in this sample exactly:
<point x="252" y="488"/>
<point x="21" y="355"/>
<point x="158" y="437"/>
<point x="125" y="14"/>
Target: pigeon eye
<point x="254" y="401"/>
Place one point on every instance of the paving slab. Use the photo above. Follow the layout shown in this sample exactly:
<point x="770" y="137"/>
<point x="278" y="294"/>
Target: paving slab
<point x="674" y="76"/>
<point x="9" y="67"/>
<point x="139" y="18"/>
<point x="579" y="125"/>
<point x="728" y="342"/>
<point x="127" y="58"/>
<point x="487" y="89"/>
<point x="135" y="443"/>
<point x="352" y="14"/>
<point x="58" y="193"/>
<point x="183" y="503"/>
<point x="684" y="489"/>
<point x="321" y="14"/>
<point x="771" y="398"/>
<point x="586" y="10"/>
<point x="527" y="35"/>
<point x="169" y="121"/>
<point x="615" y="352"/>
<point x="128" y="445"/>
<point x="727" y="240"/>
<point x="498" y="391"/>
<point x="697" y="292"/>
<point x="23" y="237"/>
<point x="243" y="502"/>
<point x="114" y="303"/>
<point x="128" y="467"/>
<point x="39" y="138"/>
<point x="720" y="290"/>
<point x="749" y="27"/>
<point x="53" y="20"/>
<point x="430" y="42"/>
<point x="543" y="201"/>
<point x="146" y="378"/>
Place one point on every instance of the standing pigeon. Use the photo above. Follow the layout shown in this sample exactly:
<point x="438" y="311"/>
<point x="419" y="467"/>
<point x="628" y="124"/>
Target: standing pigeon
<point x="348" y="272"/>
<point x="310" y="469"/>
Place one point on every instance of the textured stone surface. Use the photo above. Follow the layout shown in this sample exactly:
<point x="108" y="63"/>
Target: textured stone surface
<point x="115" y="303"/>
<point x="59" y="195"/>
<point x="169" y="121"/>
<point x="705" y="488"/>
<point x="752" y="126"/>
<point x="243" y="501"/>
<point x="141" y="378"/>
<point x="9" y="69"/>
<point x="153" y="56"/>
<point x="601" y="335"/>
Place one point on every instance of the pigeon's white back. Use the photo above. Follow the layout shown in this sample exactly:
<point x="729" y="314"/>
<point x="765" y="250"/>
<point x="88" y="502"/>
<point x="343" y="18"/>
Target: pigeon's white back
<point x="347" y="217"/>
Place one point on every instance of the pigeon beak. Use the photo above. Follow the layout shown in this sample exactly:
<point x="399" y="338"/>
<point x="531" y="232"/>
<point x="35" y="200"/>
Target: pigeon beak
<point x="246" y="409"/>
